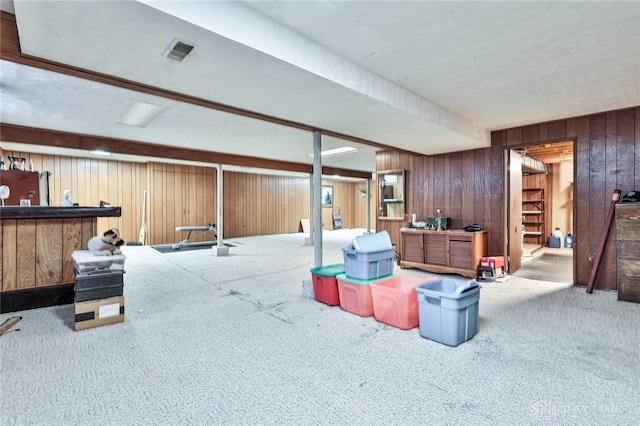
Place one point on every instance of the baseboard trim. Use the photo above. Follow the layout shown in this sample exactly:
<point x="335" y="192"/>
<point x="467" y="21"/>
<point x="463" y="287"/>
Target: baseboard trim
<point x="33" y="298"/>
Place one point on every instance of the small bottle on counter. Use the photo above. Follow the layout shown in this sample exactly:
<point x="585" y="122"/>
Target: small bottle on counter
<point x="30" y="165"/>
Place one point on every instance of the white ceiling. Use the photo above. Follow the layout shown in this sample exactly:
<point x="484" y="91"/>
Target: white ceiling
<point x="428" y="77"/>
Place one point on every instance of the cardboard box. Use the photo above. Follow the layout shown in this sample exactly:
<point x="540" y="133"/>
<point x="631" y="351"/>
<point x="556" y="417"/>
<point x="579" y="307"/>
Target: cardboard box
<point x="95" y="313"/>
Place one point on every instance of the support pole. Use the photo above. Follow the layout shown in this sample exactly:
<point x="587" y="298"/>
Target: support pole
<point x="310" y="241"/>
<point x="220" y="248"/>
<point x="369" y="206"/>
<point x="317" y="197"/>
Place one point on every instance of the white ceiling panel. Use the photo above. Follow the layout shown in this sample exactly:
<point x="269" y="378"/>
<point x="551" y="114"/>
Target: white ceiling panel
<point x="428" y="77"/>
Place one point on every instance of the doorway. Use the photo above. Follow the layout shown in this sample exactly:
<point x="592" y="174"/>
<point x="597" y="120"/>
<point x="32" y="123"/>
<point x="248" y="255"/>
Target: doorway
<point x="540" y="205"/>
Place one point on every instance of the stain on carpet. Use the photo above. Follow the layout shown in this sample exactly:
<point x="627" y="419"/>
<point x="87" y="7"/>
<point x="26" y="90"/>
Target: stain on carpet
<point x="548" y="267"/>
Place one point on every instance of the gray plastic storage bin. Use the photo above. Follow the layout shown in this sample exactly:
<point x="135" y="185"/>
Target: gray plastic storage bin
<point x="368" y="264"/>
<point x="448" y="310"/>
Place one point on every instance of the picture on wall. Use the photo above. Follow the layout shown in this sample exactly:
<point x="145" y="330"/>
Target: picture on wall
<point x="327" y="196"/>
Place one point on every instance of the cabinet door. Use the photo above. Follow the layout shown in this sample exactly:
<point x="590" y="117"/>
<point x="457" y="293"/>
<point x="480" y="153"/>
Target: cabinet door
<point x="436" y="248"/>
<point x="461" y="251"/>
<point x="413" y="247"/>
<point x="22" y="185"/>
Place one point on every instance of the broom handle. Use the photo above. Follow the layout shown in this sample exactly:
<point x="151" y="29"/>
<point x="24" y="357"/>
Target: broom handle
<point x="142" y="239"/>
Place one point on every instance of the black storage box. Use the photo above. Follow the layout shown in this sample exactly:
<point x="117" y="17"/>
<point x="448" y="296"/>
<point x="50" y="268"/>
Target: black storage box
<point x="445" y="223"/>
<point x="98" y="286"/>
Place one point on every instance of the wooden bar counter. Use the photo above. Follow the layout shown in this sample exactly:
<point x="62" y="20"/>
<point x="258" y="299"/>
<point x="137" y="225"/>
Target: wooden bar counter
<point x="36" y="268"/>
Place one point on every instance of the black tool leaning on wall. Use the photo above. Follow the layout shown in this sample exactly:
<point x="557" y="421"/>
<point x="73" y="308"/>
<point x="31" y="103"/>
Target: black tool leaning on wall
<point x="603" y="240"/>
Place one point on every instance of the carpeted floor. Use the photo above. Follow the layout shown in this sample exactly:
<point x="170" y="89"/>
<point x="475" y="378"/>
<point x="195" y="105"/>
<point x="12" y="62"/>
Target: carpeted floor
<point x="548" y="267"/>
<point x="234" y="341"/>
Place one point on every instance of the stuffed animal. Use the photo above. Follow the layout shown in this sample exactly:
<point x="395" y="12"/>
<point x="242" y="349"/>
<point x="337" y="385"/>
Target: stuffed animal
<point x="66" y="198"/>
<point x="107" y="244"/>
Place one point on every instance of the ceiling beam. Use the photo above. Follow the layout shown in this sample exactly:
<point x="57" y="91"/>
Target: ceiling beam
<point x="10" y="51"/>
<point x="52" y="138"/>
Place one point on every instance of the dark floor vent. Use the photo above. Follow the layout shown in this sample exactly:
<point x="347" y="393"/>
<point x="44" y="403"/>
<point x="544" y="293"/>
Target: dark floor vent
<point x="179" y="50"/>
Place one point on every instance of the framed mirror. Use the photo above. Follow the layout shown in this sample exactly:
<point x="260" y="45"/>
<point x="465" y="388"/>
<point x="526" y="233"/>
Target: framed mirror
<point x="391" y="194"/>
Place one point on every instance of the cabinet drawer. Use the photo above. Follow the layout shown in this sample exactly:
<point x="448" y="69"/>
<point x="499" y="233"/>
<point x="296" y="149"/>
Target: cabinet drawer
<point x="628" y="249"/>
<point x="436" y="249"/>
<point x="629" y="289"/>
<point x="460" y="254"/>
<point x="628" y="268"/>
<point x="413" y="248"/>
<point x="461" y="237"/>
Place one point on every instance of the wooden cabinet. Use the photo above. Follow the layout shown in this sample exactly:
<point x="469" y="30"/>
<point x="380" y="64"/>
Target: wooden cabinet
<point x="628" y="251"/>
<point x="453" y="251"/>
<point x="36" y="268"/>
<point x="22" y="185"/>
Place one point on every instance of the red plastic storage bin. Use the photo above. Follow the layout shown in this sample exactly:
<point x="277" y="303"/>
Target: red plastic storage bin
<point x="395" y="301"/>
<point x="325" y="285"/>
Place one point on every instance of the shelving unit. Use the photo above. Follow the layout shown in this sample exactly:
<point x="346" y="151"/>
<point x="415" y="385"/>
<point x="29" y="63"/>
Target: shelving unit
<point x="391" y="195"/>
<point x="533" y="215"/>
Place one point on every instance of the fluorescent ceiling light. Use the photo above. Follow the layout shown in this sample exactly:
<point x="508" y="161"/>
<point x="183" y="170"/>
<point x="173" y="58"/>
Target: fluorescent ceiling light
<point x="140" y="114"/>
<point x="337" y="151"/>
<point x="99" y="152"/>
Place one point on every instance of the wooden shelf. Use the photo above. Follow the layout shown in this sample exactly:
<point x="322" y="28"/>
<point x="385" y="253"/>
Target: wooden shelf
<point x="533" y="202"/>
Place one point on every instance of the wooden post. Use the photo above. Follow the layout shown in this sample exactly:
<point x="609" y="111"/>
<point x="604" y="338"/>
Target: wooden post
<point x="603" y="241"/>
<point x="317" y="198"/>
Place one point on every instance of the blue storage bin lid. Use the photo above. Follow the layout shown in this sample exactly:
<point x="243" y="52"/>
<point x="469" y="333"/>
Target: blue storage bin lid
<point x="447" y="288"/>
<point x="372" y="242"/>
<point x="329" y="270"/>
<point x="351" y="280"/>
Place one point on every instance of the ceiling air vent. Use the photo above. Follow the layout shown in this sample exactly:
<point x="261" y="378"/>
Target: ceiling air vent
<point x="178" y="50"/>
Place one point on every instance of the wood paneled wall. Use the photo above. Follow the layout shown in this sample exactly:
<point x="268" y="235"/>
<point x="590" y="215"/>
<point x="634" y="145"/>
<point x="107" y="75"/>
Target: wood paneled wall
<point x="180" y="195"/>
<point x="92" y="180"/>
<point x="267" y="204"/>
<point x="469" y="186"/>
<point x="462" y="184"/>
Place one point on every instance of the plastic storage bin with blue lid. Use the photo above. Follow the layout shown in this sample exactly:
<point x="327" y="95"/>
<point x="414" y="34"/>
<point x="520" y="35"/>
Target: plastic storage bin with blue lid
<point x="448" y="310"/>
<point x="369" y="256"/>
<point x="325" y="285"/>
